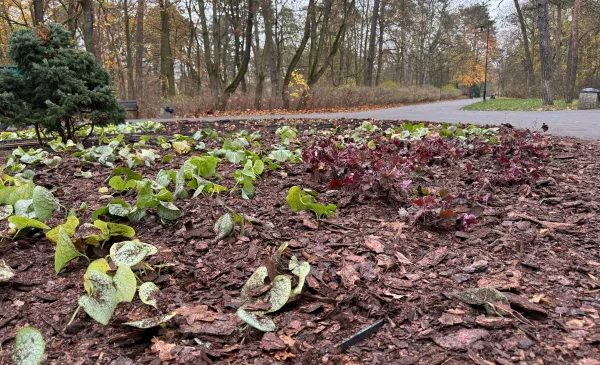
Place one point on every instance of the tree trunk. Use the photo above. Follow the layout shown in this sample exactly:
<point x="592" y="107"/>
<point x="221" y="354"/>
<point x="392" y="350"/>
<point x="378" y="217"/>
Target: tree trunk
<point x="315" y="72"/>
<point x="139" y="50"/>
<point x="38" y="12"/>
<point x="371" y="53"/>
<point x="557" y="38"/>
<point x="128" y="52"/>
<point x="260" y="60"/>
<point x="545" y="52"/>
<point x="167" y="70"/>
<point x="380" y="49"/>
<point x="230" y="89"/>
<point x="285" y="95"/>
<point x="87" y="7"/>
<point x="270" y="46"/>
<point x="573" y="54"/>
<point x="528" y="60"/>
<point x="211" y="68"/>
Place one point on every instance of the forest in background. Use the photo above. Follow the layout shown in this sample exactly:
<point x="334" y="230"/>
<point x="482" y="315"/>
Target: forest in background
<point x="202" y="56"/>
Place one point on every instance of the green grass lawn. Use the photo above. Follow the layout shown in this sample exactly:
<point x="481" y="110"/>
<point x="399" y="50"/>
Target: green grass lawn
<point x="519" y="105"/>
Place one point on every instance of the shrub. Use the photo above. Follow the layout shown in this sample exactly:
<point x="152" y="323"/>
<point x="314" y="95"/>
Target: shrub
<point x="56" y="86"/>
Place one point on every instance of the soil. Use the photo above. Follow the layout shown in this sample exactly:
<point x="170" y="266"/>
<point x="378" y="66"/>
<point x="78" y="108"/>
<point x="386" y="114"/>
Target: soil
<point x="367" y="264"/>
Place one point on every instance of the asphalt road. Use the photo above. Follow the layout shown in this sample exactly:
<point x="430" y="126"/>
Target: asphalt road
<point x="573" y="123"/>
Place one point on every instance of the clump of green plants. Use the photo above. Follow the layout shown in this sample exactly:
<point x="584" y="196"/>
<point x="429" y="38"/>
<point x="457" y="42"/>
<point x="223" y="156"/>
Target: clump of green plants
<point x="280" y="292"/>
<point x="299" y="199"/>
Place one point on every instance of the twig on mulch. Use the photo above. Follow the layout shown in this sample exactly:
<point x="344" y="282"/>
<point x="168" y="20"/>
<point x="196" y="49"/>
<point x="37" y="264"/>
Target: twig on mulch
<point x="548" y="225"/>
<point x="339" y="225"/>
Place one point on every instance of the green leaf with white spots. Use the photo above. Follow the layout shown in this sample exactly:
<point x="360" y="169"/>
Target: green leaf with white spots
<point x="125" y="284"/>
<point x="180" y="190"/>
<point x="130" y="253"/>
<point x="119" y="230"/>
<point x="6" y="272"/>
<point x="149" y="293"/>
<point x="151" y="322"/>
<point x="29" y="347"/>
<point x="118" y="209"/>
<point x="100" y="265"/>
<point x="101" y="304"/>
<point x="264" y="324"/>
<point x="301" y="270"/>
<point x="5" y="211"/>
<point x="280" y="292"/>
<point x="65" y="250"/>
<point x="70" y="226"/>
<point x="44" y="203"/>
<point x="255" y="281"/>
<point x="223" y="226"/>
<point x="168" y="211"/>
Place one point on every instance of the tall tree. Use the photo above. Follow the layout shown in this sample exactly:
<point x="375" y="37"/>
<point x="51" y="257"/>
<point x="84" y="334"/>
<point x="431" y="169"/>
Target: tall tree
<point x="315" y="68"/>
<point x="243" y="68"/>
<point x="38" y="12"/>
<point x="271" y="46"/>
<point x="573" y="54"/>
<point x="528" y="60"/>
<point x="285" y="94"/>
<point x="167" y="69"/>
<point x="545" y="52"/>
<point x="558" y="43"/>
<point x="139" y="49"/>
<point x="128" y="51"/>
<point x="87" y="8"/>
<point x="372" y="37"/>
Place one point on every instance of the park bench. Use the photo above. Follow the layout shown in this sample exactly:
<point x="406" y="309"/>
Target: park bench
<point x="130" y="106"/>
<point x="589" y="98"/>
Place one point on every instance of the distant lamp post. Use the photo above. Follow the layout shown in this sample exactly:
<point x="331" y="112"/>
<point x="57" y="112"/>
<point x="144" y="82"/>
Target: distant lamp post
<point x="487" y="46"/>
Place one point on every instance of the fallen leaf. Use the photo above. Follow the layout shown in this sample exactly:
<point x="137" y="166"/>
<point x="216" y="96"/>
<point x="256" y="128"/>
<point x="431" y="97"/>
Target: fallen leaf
<point x="270" y="342"/>
<point x="493" y="322"/>
<point x="196" y="312"/>
<point x="163" y="349"/>
<point x="434" y="257"/>
<point x="398" y="283"/>
<point x="502" y="281"/>
<point x="349" y="276"/>
<point x="460" y="340"/>
<point x="452" y="317"/>
<point x="290" y="342"/>
<point x="374" y="244"/>
<point x="310" y="223"/>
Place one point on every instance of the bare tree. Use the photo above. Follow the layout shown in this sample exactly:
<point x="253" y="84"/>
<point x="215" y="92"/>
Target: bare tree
<point x="87" y="7"/>
<point x="372" y="37"/>
<point x="573" y="54"/>
<point x="167" y="69"/>
<point x="528" y="59"/>
<point x="545" y="53"/>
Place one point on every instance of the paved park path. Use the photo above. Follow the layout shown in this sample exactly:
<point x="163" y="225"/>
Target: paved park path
<point x="573" y="123"/>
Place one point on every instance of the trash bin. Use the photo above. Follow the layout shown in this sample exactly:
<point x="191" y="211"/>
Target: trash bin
<point x="589" y="98"/>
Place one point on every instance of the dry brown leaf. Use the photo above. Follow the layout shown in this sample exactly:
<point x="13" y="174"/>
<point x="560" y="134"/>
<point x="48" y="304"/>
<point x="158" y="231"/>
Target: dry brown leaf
<point x="374" y="244"/>
<point x="163" y="349"/>
<point x="349" y="276"/>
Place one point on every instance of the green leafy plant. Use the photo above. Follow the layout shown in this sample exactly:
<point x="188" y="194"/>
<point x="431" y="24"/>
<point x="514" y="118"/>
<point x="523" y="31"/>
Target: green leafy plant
<point x="279" y="294"/>
<point x="299" y="199"/>
<point x="29" y="347"/>
<point x="287" y="134"/>
<point x="245" y="178"/>
<point x="105" y="291"/>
